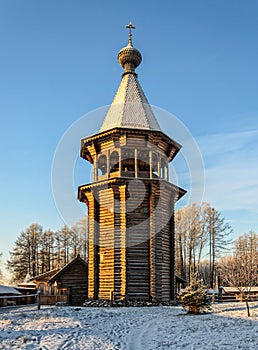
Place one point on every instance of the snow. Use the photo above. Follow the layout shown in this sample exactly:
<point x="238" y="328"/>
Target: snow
<point x="132" y="328"/>
<point x="5" y="290"/>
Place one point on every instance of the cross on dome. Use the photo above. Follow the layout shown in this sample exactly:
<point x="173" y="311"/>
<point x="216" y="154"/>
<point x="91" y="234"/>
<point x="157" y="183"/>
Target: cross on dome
<point x="130" y="26"/>
<point x="129" y="57"/>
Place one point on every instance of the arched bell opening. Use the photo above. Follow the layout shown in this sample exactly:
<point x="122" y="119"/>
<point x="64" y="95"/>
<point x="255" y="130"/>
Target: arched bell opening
<point x="143" y="161"/>
<point x="155" y="165"/>
<point x="164" y="173"/>
<point x="102" y="165"/>
<point x="162" y="168"/>
<point x="114" y="162"/>
<point x="128" y="163"/>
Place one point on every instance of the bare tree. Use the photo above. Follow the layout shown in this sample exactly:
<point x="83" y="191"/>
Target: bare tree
<point x="204" y="271"/>
<point x="219" y="240"/>
<point x="36" y="251"/>
<point x="191" y="237"/>
<point x="80" y="237"/>
<point x="24" y="257"/>
<point x="240" y="269"/>
<point x="200" y="231"/>
<point x="46" y="251"/>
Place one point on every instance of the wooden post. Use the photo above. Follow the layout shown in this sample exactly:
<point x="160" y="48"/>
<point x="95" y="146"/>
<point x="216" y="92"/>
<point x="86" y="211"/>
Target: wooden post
<point x="96" y="169"/>
<point x="159" y="160"/>
<point x="135" y="163"/>
<point x="119" y="162"/>
<point x="167" y="173"/>
<point x="150" y="161"/>
<point x="38" y="299"/>
<point x="220" y="293"/>
<point x="108" y="163"/>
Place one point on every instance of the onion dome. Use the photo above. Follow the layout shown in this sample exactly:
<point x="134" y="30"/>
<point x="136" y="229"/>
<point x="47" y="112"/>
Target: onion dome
<point x="129" y="57"/>
<point x="130" y="107"/>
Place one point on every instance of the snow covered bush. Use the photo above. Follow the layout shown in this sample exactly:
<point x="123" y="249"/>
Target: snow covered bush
<point x="194" y="298"/>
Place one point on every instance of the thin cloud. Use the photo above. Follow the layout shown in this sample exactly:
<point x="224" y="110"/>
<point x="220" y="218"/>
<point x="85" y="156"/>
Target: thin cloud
<point x="231" y="169"/>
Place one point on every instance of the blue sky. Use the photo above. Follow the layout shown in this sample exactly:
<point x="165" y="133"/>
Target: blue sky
<point x="58" y="62"/>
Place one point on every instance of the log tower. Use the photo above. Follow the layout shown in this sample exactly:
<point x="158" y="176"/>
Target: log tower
<point x="131" y="201"/>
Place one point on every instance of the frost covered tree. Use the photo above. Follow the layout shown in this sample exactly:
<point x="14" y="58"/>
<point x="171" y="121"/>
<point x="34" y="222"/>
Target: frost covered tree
<point x="219" y="232"/>
<point x="36" y="251"/>
<point x="80" y="237"/>
<point x="24" y="257"/>
<point x="194" y="298"/>
<point x="46" y="249"/>
<point x="191" y="237"/>
<point x="199" y="230"/>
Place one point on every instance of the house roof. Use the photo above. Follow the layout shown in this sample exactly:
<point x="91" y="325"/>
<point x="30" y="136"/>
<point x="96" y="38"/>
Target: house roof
<point x="130" y="107"/>
<point x="45" y="276"/>
<point x="65" y="268"/>
<point x="27" y="283"/>
<point x="6" y="290"/>
<point x="180" y="279"/>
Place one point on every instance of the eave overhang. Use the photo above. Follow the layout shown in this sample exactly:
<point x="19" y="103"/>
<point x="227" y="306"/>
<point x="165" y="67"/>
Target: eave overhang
<point x="84" y="189"/>
<point x="90" y="145"/>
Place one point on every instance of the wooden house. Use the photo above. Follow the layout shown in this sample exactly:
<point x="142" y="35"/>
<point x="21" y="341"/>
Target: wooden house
<point x="131" y="201"/>
<point x="72" y="281"/>
<point x="66" y="285"/>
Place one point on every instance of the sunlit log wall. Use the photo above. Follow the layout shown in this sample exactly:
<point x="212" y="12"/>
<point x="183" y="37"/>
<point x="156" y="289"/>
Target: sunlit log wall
<point x="131" y="246"/>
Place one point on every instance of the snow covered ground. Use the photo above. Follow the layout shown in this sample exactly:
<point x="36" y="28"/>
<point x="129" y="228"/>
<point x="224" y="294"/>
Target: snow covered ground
<point x="132" y="328"/>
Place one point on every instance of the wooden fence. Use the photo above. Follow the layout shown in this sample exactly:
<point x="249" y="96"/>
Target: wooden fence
<point x="12" y="300"/>
<point x="52" y="299"/>
<point x="228" y="298"/>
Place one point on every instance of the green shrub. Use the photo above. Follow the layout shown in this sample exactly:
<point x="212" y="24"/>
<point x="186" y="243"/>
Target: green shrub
<point x="194" y="298"/>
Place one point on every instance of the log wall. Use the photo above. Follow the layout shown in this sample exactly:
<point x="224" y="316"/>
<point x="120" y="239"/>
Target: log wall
<point x="92" y="246"/>
<point x="120" y="242"/>
<point x="106" y="243"/>
<point x="75" y="280"/>
<point x="131" y="250"/>
<point x="137" y="240"/>
<point x="162" y="242"/>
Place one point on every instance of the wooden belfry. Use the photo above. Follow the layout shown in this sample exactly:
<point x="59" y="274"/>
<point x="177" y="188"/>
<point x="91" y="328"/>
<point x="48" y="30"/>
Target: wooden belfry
<point x="131" y="202"/>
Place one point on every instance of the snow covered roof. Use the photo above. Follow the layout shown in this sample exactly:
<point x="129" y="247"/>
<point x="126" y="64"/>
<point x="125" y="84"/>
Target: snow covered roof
<point x="6" y="290"/>
<point x="27" y="283"/>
